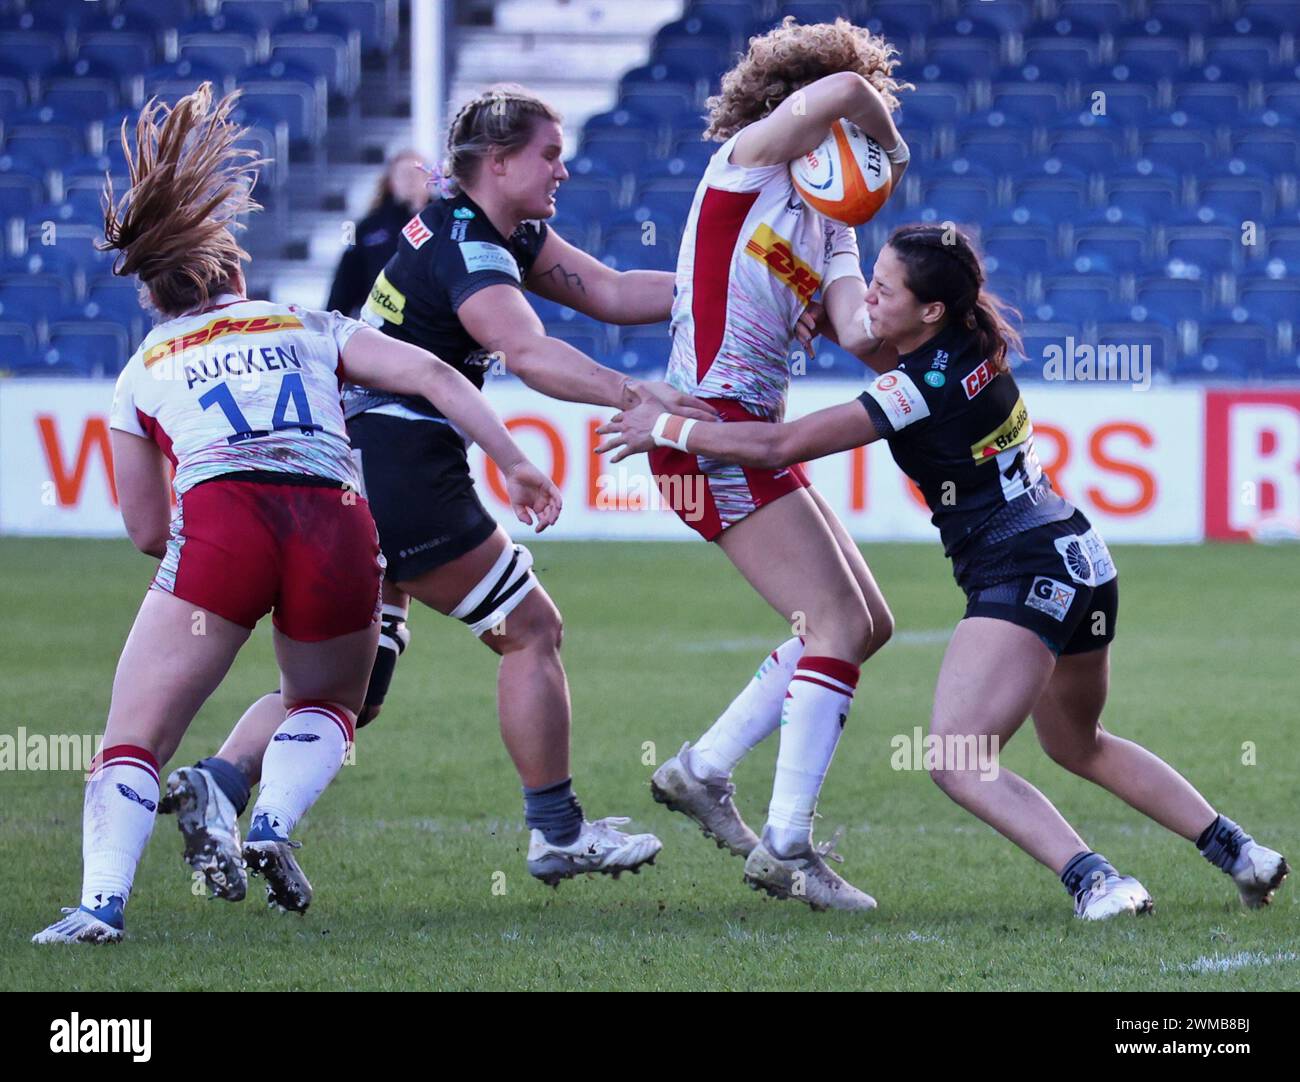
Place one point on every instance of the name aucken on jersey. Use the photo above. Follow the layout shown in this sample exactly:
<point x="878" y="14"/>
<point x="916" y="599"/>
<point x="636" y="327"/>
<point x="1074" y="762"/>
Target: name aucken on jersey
<point x="193" y="357"/>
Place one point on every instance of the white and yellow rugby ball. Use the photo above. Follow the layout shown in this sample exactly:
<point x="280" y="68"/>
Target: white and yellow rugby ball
<point x="847" y="178"/>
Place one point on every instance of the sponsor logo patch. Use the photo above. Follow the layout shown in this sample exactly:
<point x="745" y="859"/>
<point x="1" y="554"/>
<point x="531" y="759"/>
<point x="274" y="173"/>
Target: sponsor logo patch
<point x="463" y="213"/>
<point x="1049" y="596"/>
<point x="935" y="379"/>
<point x="482" y="256"/>
<point x="302" y="738"/>
<point x="1076" y="560"/>
<point x="131" y="794"/>
<point x="900" y="398"/>
<point x="979" y="378"/>
<point x="216" y="329"/>
<point x="774" y="251"/>
<point x="1014" y="430"/>
<point x="385" y="302"/>
<point x="416" y="232"/>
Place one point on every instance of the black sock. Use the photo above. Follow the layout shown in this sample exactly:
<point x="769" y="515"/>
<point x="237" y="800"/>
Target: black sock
<point x="1082" y="870"/>
<point x="1221" y="843"/>
<point x="555" y="811"/>
<point x="230" y="780"/>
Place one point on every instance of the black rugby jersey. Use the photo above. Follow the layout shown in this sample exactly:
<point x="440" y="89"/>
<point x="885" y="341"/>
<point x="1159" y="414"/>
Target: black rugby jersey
<point x="445" y="254"/>
<point x="961" y="431"/>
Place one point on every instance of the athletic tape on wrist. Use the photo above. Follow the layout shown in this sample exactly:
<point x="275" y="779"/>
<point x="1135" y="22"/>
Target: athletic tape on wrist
<point x="671" y="431"/>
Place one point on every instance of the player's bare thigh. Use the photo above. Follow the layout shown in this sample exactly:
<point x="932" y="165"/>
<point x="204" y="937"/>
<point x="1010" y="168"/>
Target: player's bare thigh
<point x="882" y="619"/>
<point x="174" y="658"/>
<point x="787" y="552"/>
<point x="333" y="670"/>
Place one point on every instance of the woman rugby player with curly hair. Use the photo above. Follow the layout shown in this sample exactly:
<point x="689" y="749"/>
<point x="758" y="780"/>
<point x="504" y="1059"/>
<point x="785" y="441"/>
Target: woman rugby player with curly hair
<point x="752" y="257"/>
<point x="243" y="398"/>
<point x="1042" y="590"/>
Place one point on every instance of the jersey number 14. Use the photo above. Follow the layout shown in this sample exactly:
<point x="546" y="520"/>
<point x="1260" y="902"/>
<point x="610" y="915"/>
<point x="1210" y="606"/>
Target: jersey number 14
<point x="292" y="392"/>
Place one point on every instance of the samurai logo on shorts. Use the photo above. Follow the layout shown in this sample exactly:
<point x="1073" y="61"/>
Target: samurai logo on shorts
<point x="1049" y="596"/>
<point x="1086" y="558"/>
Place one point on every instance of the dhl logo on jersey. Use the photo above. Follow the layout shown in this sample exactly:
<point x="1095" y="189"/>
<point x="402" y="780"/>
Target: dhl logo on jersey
<point x="385" y="301"/>
<point x="218" y="328"/>
<point x="772" y="249"/>
<point x="1015" y="429"/>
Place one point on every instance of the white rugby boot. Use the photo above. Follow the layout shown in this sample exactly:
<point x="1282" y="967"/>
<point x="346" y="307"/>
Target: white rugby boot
<point x="709" y="802"/>
<point x="210" y="826"/>
<point x="805" y="877"/>
<point x="599" y="848"/>
<point x="1258" y="872"/>
<point x="81" y="925"/>
<point x="1112" y="896"/>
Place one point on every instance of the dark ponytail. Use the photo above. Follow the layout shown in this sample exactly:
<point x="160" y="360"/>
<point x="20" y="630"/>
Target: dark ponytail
<point x="940" y="264"/>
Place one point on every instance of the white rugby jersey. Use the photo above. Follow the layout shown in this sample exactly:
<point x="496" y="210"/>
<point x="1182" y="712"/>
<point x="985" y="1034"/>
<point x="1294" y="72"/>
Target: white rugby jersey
<point x="752" y="256"/>
<point x="241" y="385"/>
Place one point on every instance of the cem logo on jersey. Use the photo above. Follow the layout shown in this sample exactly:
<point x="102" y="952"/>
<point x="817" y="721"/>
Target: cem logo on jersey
<point x="979" y="378"/>
<point x="774" y="251"/>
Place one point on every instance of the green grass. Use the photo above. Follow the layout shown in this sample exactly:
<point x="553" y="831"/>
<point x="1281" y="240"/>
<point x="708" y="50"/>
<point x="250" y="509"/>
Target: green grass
<point x="404" y="847"/>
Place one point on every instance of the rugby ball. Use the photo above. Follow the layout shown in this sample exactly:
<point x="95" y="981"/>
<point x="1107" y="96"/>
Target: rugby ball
<point x="847" y="178"/>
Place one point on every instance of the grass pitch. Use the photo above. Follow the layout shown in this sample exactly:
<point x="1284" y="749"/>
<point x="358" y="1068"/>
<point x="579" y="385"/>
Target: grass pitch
<point x="417" y="850"/>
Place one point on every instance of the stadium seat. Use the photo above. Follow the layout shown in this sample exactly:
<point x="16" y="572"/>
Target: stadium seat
<point x="1212" y="247"/>
<point x="630" y="246"/>
<point x="375" y="20"/>
<point x="1208" y="104"/>
<point x="121" y="42"/>
<point x="1060" y="59"/>
<point x="1091" y="150"/>
<point x="1097" y="14"/>
<point x="1266" y="141"/>
<point x="968" y="57"/>
<point x="32" y="297"/>
<point x="22" y="185"/>
<point x="1239" y="49"/>
<point x="1237" y="191"/>
<point x="611" y="153"/>
<point x="1184" y="150"/>
<point x="325" y="46"/>
<point x="82" y="88"/>
<point x="31" y="42"/>
<point x="1229" y="351"/>
<point x="960" y="198"/>
<point x="97" y="347"/>
<point x="814" y="11"/>
<point x="1274" y="13"/>
<point x="1269" y="298"/>
<point x="1130" y="104"/>
<point x="644" y="350"/>
<point x="281" y="92"/>
<point x="1155" y="58"/>
<point x="1053" y="195"/>
<point x="1147" y="338"/>
<point x="1145" y="189"/>
<point x="45" y="135"/>
<point x="261" y="14"/>
<point x="1027" y="101"/>
<point x="43" y="364"/>
<point x="1075" y="298"/>
<point x="993" y="139"/>
<point x="932" y="104"/>
<point x="735" y="15"/>
<point x="171" y="82"/>
<point x="1018" y="249"/>
<point x="1188" y="15"/>
<point x="906" y="17"/>
<point x="1125" y="248"/>
<point x="1174" y="299"/>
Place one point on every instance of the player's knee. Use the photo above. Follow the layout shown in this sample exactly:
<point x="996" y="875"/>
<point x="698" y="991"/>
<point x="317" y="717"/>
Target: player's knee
<point x="1077" y="754"/>
<point x="882" y="630"/>
<point x="539" y="627"/>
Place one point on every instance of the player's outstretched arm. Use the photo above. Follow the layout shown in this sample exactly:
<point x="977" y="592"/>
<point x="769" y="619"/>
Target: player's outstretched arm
<point x="801" y="122"/>
<point x="143" y="491"/>
<point x="501" y="320"/>
<point x="569" y="276"/>
<point x="746" y="443"/>
<point x="374" y="360"/>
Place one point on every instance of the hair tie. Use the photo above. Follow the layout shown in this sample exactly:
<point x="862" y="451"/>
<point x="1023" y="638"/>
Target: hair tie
<point x="436" y="182"/>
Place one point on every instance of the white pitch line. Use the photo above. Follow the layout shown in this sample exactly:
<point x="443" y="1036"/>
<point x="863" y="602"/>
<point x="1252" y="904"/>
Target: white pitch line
<point x="1219" y="963"/>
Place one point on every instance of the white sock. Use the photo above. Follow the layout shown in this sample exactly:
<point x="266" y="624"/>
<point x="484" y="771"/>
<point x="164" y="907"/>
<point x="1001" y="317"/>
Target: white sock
<point x="117" y="819"/>
<point x="303" y="757"/>
<point x="753" y="715"/>
<point x="813" y="716"/>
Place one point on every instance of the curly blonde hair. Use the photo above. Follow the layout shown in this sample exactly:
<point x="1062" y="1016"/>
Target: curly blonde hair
<point x="788" y="58"/>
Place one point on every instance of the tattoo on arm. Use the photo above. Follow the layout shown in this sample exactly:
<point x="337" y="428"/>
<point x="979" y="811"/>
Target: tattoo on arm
<point x="565" y="278"/>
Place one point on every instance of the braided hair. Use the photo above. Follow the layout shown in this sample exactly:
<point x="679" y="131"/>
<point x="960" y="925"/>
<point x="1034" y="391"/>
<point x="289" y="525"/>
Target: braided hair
<point x="941" y="265"/>
<point x="501" y="119"/>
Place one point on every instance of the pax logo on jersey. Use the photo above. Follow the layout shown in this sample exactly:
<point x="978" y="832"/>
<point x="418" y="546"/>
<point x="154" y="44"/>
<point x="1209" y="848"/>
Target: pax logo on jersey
<point x="416" y="232"/>
<point x="217" y="328"/>
<point x="772" y="249"/>
<point x="1015" y="429"/>
<point x="979" y="378"/>
<point x="898" y="396"/>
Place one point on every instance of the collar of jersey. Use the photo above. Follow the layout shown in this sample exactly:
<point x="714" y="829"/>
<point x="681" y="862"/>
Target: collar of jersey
<point x="223" y="300"/>
<point x="945" y="339"/>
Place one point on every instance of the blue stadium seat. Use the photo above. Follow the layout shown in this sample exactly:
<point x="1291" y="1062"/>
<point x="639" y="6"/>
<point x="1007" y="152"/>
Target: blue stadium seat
<point x="1028" y="102"/>
<point x="1125" y="248"/>
<point x="1212" y="247"/>
<point x="1145" y="188"/>
<point x="31" y="42"/>
<point x="591" y="198"/>
<point x="1278" y="14"/>
<point x="286" y="93"/>
<point x="815" y="11"/>
<point x="262" y="14"/>
<point x="657" y="74"/>
<point x="898" y="17"/>
<point x="1207" y="104"/>
<point x="323" y="45"/>
<point x="32" y="297"/>
<point x="623" y="250"/>
<point x="688" y="159"/>
<point x="1284" y="366"/>
<point x="1240" y="57"/>
<point x="663" y="103"/>
<point x="967" y="57"/>
<point x="376" y="20"/>
<point x="1229" y="350"/>
<point x="156" y="12"/>
<point x="1154" y="58"/>
<point x="124" y="43"/>
<point x="1184" y="150"/>
<point x="1188" y="15"/>
<point x="84" y="88"/>
<point x="45" y="135"/>
<point x="1266" y="141"/>
<point x="960" y="198"/>
<point x="664" y="202"/>
<point x="1284" y="97"/>
<point x="1237" y="191"/>
<point x="736" y="15"/>
<point x="119" y="300"/>
<point x="1284" y="244"/>
<point x="14" y="95"/>
<point x="1088" y="143"/>
<point x="1038" y="337"/>
<point x="932" y="104"/>
<point x="44" y="364"/>
<point x="1138" y="335"/>
<point x="644" y="349"/>
<point x="22" y="185"/>
<point x="1018" y="249"/>
<point x="1128" y="103"/>
<point x="618" y="156"/>
<point x="1051" y="189"/>
<point x="16" y="340"/>
<point x="1096" y="14"/>
<point x="1174" y="299"/>
<point x="95" y="346"/>
<point x="1270" y="298"/>
<point x="993" y="139"/>
<point x="1075" y="298"/>
<point x="1060" y="59"/>
<point x="171" y="82"/>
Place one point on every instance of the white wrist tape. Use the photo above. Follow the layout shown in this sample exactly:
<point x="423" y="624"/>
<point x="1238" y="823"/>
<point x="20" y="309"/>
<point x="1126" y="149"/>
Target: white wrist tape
<point x="900" y="154"/>
<point x="842" y="265"/>
<point x="671" y="431"/>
